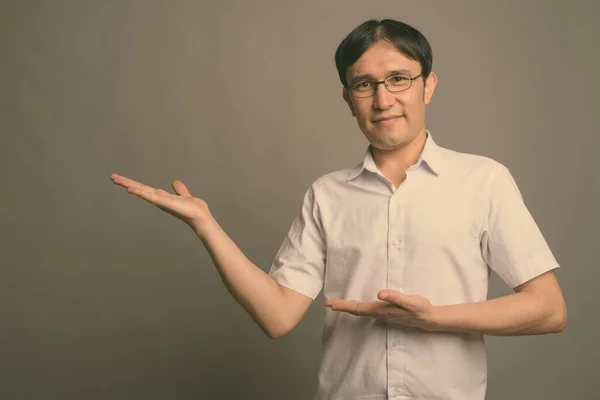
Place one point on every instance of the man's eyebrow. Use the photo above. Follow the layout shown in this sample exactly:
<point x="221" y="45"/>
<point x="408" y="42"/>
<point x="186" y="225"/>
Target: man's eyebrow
<point x="370" y="77"/>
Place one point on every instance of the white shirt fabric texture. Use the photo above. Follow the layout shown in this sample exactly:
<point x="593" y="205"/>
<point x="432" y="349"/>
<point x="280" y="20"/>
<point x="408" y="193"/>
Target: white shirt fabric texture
<point x="454" y="218"/>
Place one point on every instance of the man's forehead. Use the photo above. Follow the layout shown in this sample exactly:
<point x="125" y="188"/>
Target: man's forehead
<point x="382" y="58"/>
<point x="382" y="70"/>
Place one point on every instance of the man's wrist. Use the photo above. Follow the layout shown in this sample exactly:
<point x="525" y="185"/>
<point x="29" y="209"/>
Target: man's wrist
<point x="434" y="318"/>
<point x="202" y="227"/>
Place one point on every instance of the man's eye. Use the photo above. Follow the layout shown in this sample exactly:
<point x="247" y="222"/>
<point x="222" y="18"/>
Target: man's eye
<point x="399" y="78"/>
<point x="362" y="85"/>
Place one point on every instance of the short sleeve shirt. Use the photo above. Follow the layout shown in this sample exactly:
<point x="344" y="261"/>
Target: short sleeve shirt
<point x="454" y="218"/>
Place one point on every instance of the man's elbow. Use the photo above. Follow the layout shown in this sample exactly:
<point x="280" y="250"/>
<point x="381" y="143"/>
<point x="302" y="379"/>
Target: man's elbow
<point x="276" y="334"/>
<point x="277" y="331"/>
<point x="559" y="319"/>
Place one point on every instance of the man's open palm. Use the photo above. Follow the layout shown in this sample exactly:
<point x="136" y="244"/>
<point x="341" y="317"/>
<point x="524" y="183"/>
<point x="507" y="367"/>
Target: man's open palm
<point x="182" y="205"/>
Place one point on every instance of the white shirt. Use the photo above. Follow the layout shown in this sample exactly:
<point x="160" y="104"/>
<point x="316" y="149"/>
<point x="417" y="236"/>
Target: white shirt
<point x="437" y="235"/>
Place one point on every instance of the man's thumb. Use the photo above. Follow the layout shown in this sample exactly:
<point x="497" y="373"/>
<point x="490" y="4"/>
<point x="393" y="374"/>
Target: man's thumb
<point x="180" y="189"/>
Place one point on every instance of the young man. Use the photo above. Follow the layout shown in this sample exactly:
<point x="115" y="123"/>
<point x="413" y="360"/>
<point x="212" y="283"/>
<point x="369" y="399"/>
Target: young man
<point x="402" y="244"/>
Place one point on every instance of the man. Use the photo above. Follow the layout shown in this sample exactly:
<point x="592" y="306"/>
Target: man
<point x="402" y="245"/>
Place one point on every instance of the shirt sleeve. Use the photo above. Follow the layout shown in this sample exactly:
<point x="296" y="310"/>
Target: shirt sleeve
<point x="300" y="261"/>
<point x="512" y="244"/>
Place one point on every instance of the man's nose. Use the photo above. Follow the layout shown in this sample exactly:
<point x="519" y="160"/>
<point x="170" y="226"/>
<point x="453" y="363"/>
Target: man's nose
<point x="384" y="99"/>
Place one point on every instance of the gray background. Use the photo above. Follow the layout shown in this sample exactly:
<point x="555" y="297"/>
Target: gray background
<point x="103" y="296"/>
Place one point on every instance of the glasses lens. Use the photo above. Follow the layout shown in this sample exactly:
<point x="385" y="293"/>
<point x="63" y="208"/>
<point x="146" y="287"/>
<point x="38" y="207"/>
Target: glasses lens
<point x="363" y="89"/>
<point x="394" y="83"/>
<point x="398" y="83"/>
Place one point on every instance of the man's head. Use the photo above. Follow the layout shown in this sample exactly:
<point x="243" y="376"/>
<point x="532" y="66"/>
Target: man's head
<point x="390" y="114"/>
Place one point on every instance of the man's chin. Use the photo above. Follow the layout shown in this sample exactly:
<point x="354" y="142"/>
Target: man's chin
<point x="387" y="146"/>
<point x="388" y="143"/>
<point x="390" y="140"/>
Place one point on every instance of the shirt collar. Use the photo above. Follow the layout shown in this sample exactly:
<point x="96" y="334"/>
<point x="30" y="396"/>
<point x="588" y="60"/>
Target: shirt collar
<point x="430" y="155"/>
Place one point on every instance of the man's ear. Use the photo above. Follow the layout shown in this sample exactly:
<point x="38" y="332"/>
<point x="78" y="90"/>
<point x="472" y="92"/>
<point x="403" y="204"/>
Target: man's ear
<point x="348" y="101"/>
<point x="430" y="84"/>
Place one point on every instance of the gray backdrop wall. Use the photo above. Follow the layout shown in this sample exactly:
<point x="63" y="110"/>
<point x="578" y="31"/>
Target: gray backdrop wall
<point x="102" y="296"/>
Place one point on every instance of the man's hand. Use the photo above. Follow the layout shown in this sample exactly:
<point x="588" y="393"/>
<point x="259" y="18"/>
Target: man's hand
<point x="276" y="309"/>
<point x="393" y="307"/>
<point x="191" y="210"/>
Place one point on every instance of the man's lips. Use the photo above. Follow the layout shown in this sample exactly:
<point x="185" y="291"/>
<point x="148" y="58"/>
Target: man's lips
<point x="388" y="118"/>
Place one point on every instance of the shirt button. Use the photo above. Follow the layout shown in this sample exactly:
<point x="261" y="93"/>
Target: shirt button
<point x="394" y="244"/>
<point x="393" y="345"/>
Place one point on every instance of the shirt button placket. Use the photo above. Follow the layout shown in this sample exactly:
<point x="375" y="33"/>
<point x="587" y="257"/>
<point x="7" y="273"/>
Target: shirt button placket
<point x="395" y="273"/>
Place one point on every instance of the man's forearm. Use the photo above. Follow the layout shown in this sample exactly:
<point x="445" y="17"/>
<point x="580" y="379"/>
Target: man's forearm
<point x="255" y="290"/>
<point x="521" y="313"/>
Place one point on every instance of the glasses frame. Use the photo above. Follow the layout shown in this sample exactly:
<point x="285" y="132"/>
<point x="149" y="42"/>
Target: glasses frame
<point x="377" y="83"/>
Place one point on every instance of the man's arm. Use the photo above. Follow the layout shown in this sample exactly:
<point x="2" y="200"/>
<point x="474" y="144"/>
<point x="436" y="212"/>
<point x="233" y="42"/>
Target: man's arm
<point x="275" y="308"/>
<point x="537" y="307"/>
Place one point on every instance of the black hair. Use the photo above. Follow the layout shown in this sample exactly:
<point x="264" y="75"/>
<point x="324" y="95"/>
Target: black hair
<point x="407" y="40"/>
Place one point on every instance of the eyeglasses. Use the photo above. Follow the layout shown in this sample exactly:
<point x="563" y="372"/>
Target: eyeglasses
<point x="393" y="83"/>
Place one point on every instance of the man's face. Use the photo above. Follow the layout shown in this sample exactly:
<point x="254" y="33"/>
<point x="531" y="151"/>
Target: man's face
<point x="389" y="120"/>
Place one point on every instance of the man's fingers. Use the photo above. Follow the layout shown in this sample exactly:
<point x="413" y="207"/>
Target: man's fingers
<point x="385" y="311"/>
<point x="147" y="193"/>
<point x="129" y="183"/>
<point x="395" y="298"/>
<point x="354" y="307"/>
<point x="181" y="189"/>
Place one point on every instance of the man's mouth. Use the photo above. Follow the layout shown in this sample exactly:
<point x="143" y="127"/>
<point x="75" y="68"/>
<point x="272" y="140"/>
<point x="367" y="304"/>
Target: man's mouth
<point x="387" y="118"/>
